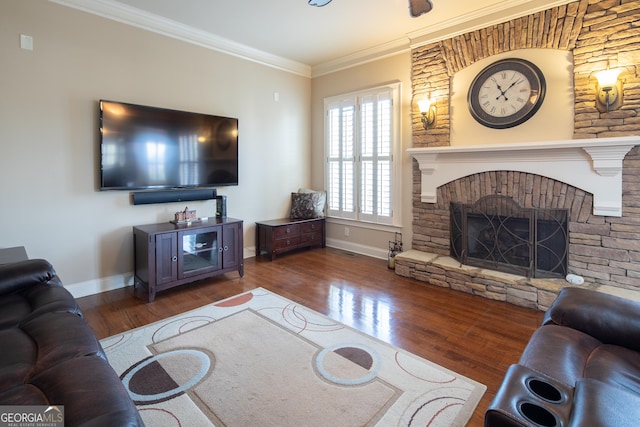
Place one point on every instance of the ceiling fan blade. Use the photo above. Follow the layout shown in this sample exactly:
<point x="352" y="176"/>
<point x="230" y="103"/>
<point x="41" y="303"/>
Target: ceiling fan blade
<point x="319" y="3"/>
<point x="419" y="7"/>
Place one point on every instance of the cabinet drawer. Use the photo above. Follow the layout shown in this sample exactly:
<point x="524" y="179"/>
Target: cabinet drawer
<point x="286" y="242"/>
<point x="309" y="227"/>
<point x="286" y="231"/>
<point x="311" y="238"/>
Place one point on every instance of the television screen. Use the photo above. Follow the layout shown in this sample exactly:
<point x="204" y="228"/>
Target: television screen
<point x="147" y="147"/>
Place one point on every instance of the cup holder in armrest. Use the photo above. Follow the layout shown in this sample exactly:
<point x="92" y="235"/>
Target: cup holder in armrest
<point x="538" y="415"/>
<point x="545" y="391"/>
<point x="530" y="398"/>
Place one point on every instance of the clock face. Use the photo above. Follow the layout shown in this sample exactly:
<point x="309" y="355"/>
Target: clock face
<point x="506" y="93"/>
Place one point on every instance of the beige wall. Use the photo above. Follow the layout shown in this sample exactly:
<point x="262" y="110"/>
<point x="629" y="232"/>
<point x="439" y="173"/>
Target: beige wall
<point x="49" y="132"/>
<point x="369" y="240"/>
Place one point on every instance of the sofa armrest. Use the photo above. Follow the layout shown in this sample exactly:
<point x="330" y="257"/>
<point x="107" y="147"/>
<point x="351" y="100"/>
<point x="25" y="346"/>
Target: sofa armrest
<point x="600" y="404"/>
<point x="608" y="318"/>
<point x="23" y="274"/>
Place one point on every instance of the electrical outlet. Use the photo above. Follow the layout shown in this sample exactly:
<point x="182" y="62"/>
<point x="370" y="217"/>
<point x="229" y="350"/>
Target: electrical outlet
<point x="346" y="231"/>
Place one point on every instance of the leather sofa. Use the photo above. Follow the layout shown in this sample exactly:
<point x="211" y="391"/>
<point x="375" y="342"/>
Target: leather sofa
<point x="580" y="368"/>
<point x="50" y="356"/>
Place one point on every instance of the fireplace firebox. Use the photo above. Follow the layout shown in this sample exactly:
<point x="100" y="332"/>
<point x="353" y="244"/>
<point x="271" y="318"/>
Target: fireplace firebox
<point x="496" y="233"/>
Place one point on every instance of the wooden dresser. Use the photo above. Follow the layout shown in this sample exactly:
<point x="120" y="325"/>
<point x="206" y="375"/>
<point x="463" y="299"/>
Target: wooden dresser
<point x="278" y="236"/>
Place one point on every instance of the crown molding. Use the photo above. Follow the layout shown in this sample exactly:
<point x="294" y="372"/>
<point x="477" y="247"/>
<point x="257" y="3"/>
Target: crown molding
<point x="147" y="21"/>
<point x="362" y="57"/>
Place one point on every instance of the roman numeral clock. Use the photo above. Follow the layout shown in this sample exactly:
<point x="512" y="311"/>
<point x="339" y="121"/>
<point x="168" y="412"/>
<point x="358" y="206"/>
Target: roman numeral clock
<point x="506" y="93"/>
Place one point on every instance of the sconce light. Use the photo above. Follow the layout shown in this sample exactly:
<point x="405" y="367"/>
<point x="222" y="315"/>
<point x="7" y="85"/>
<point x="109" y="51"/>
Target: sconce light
<point x="428" y="110"/>
<point x="608" y="90"/>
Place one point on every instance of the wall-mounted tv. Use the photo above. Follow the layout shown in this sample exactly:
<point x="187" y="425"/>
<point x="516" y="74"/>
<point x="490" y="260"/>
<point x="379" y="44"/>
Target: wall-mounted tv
<point x="156" y="148"/>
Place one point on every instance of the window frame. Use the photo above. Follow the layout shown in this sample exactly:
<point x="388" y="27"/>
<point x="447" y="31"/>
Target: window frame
<point x="355" y="99"/>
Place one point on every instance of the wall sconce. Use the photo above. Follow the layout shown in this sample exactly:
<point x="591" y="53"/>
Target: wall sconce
<point x="428" y="111"/>
<point x="608" y="90"/>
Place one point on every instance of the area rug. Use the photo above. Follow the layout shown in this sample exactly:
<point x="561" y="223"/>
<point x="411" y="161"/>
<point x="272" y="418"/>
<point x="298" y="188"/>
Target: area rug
<point x="258" y="359"/>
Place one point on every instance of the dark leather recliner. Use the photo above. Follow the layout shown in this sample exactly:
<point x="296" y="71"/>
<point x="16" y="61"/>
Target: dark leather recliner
<point x="50" y="356"/>
<point x="580" y="368"/>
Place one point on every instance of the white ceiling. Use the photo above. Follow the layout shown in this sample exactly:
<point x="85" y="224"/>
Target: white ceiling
<point x="304" y="39"/>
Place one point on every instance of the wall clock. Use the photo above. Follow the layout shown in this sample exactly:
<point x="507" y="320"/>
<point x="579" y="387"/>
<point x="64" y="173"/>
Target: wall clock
<point x="506" y="93"/>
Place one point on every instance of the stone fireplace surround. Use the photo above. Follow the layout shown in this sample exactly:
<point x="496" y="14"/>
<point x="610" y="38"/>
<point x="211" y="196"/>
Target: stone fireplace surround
<point x="584" y="176"/>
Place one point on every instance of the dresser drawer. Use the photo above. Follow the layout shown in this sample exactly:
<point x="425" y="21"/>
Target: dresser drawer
<point x="285" y="231"/>
<point x="286" y="242"/>
<point x="309" y="227"/>
<point x="311" y="238"/>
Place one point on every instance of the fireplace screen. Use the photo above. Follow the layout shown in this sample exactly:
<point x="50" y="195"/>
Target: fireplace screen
<point x="496" y="233"/>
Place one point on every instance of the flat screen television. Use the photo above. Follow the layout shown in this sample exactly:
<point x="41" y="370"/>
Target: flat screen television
<point x="155" y="148"/>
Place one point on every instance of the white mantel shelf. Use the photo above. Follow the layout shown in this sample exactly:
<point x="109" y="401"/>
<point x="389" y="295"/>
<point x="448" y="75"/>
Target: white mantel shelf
<point x="593" y="165"/>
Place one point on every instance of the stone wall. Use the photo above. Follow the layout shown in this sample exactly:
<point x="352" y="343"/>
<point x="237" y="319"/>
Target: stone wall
<point x="605" y="250"/>
<point x="610" y="37"/>
<point x="434" y="65"/>
<point x="599" y="33"/>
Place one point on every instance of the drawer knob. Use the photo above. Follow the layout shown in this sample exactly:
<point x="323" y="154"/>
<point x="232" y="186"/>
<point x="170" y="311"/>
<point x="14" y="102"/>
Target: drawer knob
<point x="288" y="242"/>
<point x="288" y="230"/>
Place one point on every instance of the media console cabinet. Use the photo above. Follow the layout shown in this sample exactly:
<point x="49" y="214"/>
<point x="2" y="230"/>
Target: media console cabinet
<point x="168" y="255"/>
<point x="278" y="236"/>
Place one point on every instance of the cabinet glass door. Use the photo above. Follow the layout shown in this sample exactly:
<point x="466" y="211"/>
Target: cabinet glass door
<point x="199" y="250"/>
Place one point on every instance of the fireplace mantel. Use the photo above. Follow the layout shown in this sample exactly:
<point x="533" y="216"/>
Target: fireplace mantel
<point x="593" y="165"/>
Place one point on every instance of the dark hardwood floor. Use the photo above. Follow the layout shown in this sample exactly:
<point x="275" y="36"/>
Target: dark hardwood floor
<point x="473" y="336"/>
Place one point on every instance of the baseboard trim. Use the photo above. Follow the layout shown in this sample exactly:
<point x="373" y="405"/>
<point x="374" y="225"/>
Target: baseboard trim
<point x="119" y="281"/>
<point x="358" y="248"/>
<point x="103" y="284"/>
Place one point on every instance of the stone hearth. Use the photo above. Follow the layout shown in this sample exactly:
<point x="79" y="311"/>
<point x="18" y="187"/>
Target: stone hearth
<point x="444" y="271"/>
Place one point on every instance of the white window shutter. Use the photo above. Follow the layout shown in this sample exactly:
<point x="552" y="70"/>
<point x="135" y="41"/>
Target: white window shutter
<point x="361" y="138"/>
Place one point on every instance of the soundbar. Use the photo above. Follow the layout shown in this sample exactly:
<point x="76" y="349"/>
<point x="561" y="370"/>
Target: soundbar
<point x="168" y="196"/>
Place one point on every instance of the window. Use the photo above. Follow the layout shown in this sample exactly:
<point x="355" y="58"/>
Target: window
<point x="361" y="139"/>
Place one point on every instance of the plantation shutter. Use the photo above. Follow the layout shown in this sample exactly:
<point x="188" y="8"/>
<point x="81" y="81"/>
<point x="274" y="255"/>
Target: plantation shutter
<point x="360" y="141"/>
<point x="375" y="157"/>
<point x="341" y="159"/>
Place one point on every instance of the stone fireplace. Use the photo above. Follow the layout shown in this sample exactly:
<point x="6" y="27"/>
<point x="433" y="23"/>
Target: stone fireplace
<point x="584" y="178"/>
<point x="598" y="183"/>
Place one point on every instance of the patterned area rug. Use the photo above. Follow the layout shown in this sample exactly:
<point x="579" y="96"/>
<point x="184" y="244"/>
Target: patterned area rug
<point x="260" y="359"/>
